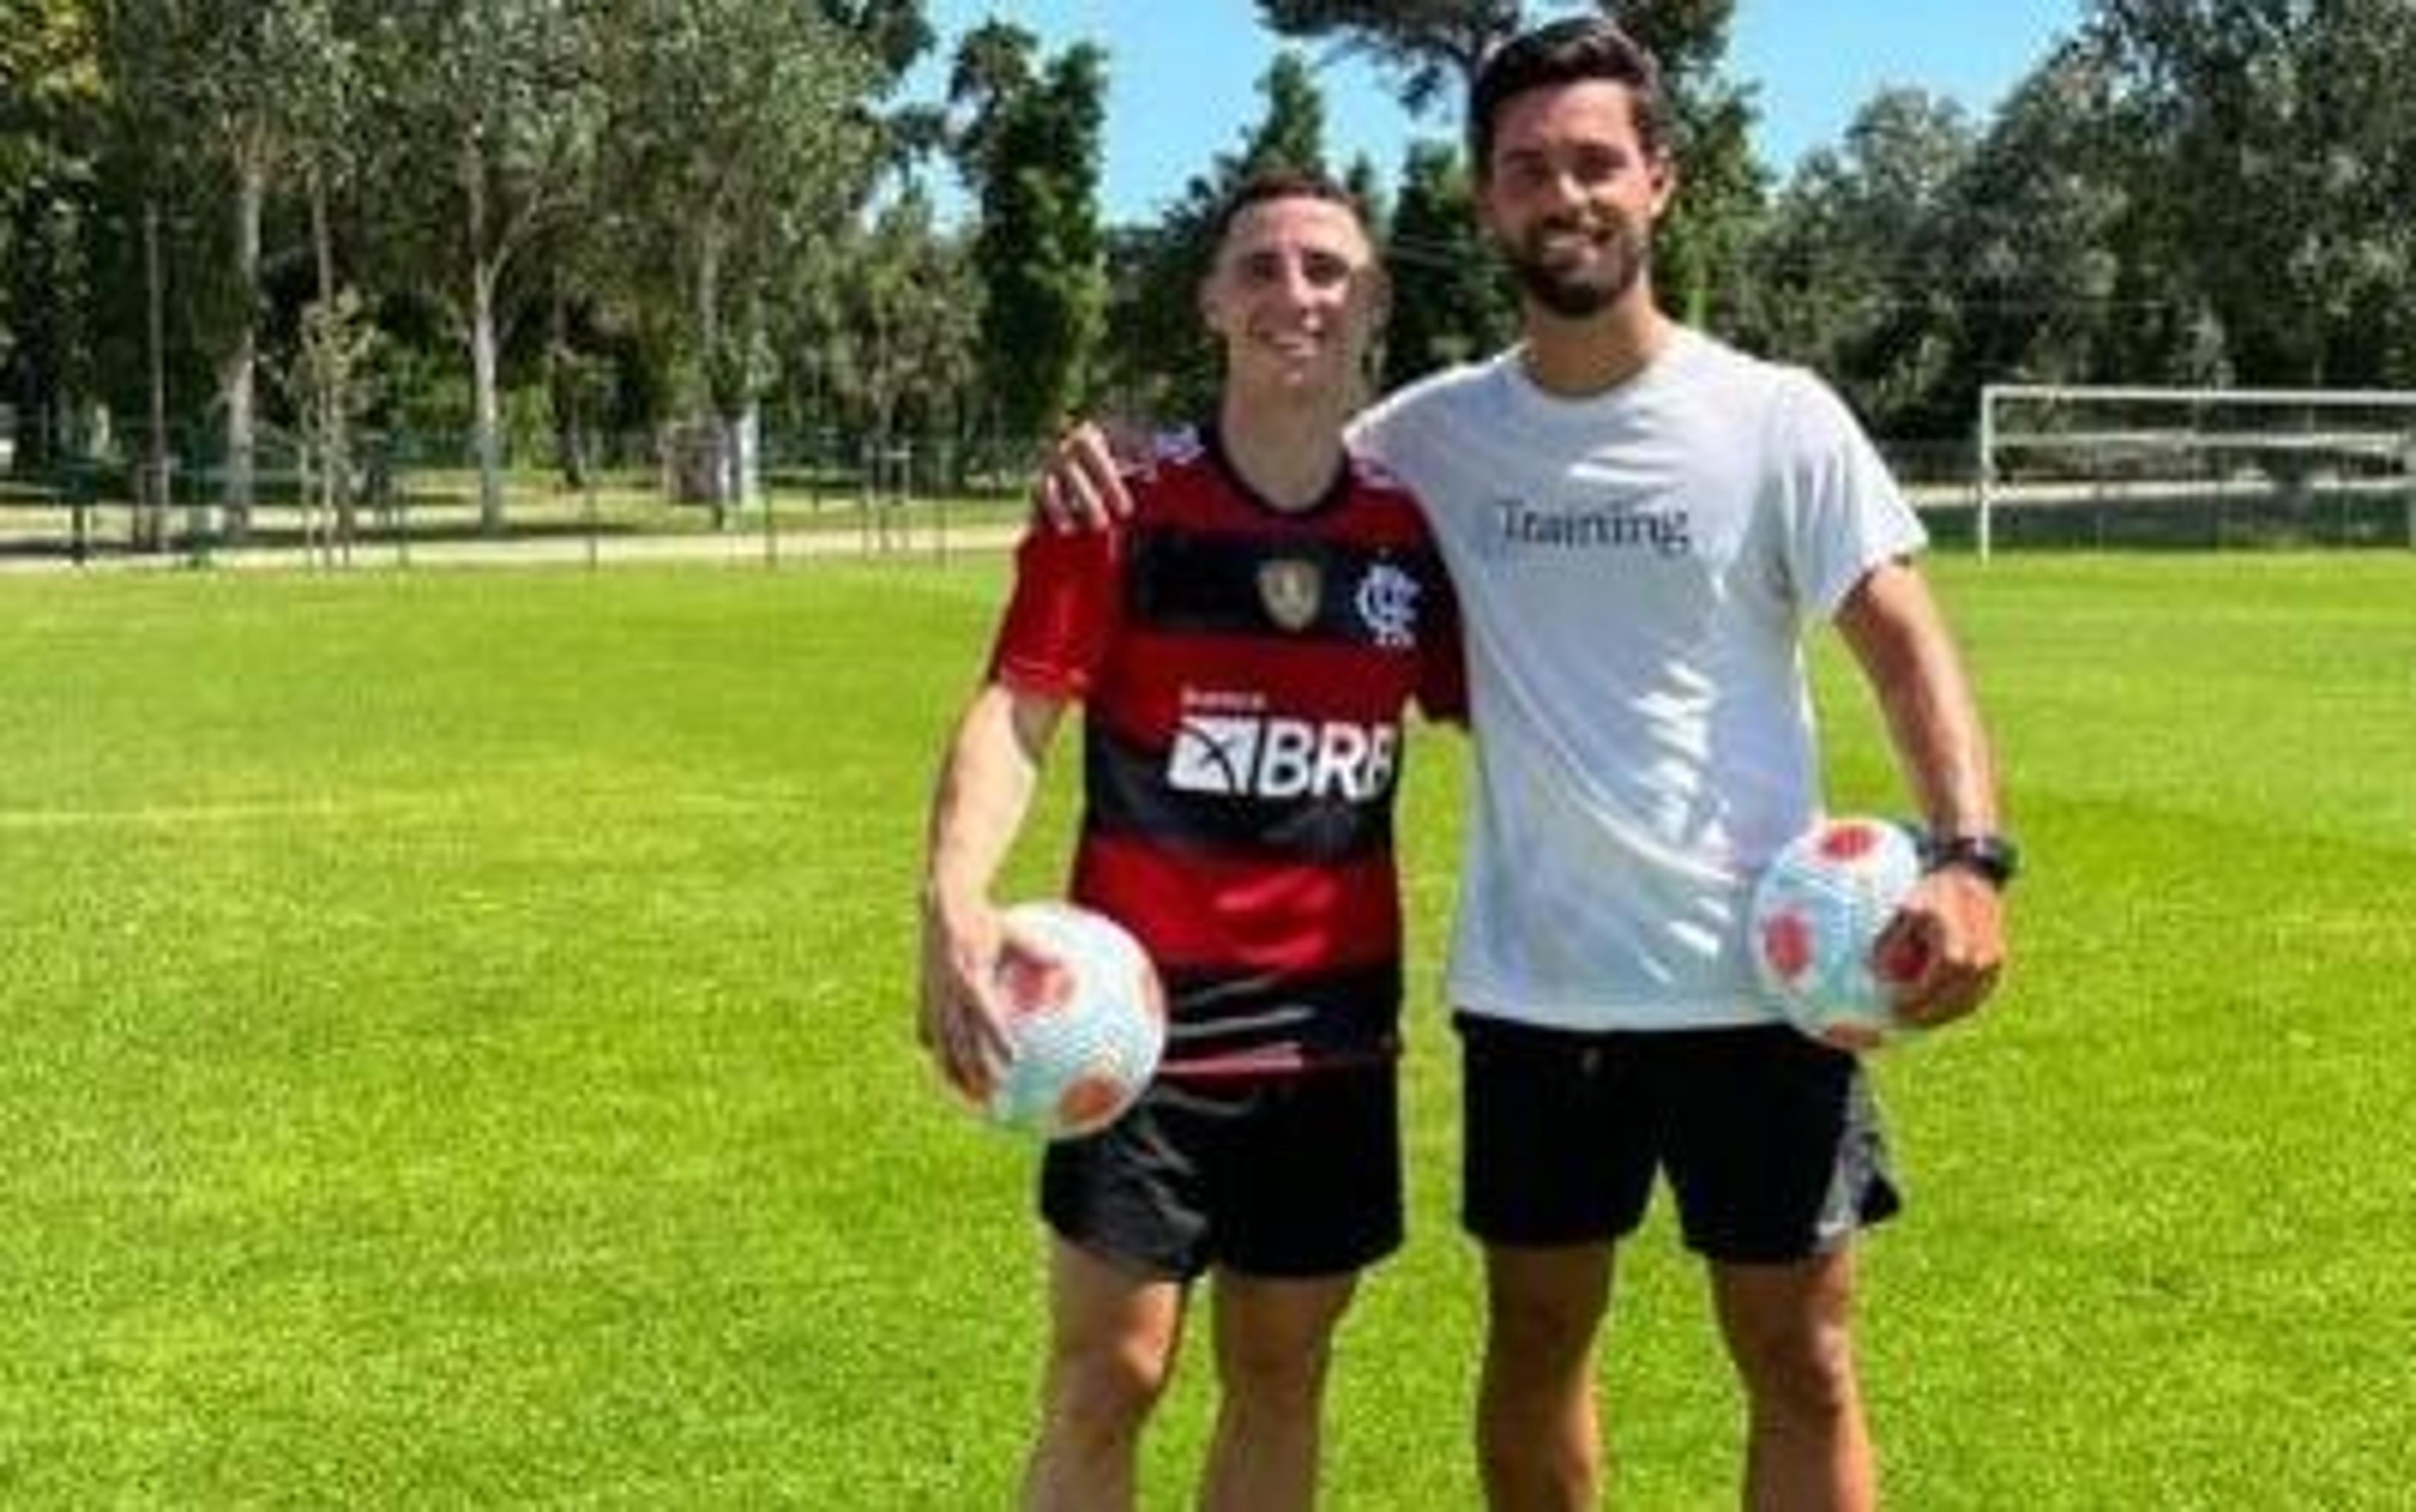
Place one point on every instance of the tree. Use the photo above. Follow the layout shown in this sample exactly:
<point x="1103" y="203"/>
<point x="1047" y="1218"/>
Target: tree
<point x="246" y="72"/>
<point x="1849" y="278"/>
<point x="51" y="68"/>
<point x="2284" y="156"/>
<point x="1365" y="183"/>
<point x="993" y="67"/>
<point x="332" y="354"/>
<point x="893" y="34"/>
<point x="1450" y="301"/>
<point x="2041" y="247"/>
<point x="739" y="134"/>
<point x="1700" y="251"/>
<point x="1038" y="252"/>
<point x="335" y="337"/>
<point x="52" y="95"/>
<point x="143" y="150"/>
<point x="896" y="338"/>
<point x="1292" y="134"/>
<point x="1432" y="48"/>
<point x="496" y="108"/>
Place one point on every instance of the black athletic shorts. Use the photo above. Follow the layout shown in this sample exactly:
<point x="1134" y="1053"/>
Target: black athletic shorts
<point x="1278" y="1177"/>
<point x="1771" y="1140"/>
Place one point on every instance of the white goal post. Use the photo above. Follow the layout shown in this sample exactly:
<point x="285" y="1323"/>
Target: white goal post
<point x="2049" y="445"/>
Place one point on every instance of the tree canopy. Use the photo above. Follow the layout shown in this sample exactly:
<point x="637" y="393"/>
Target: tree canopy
<point x="1040" y="249"/>
<point x="540" y="217"/>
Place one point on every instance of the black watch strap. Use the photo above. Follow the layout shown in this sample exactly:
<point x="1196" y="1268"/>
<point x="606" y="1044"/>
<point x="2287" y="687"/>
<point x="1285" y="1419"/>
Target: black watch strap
<point x="1995" y="857"/>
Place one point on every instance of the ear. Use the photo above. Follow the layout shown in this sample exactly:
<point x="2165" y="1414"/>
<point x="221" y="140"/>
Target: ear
<point x="1663" y="171"/>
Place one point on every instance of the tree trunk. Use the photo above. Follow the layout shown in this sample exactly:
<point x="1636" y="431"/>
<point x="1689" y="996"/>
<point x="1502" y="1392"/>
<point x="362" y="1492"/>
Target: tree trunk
<point x="708" y="318"/>
<point x="333" y="402"/>
<point x="243" y="361"/>
<point x="746" y="422"/>
<point x="564" y="389"/>
<point x="150" y="522"/>
<point x="483" y="272"/>
<point x="490" y="427"/>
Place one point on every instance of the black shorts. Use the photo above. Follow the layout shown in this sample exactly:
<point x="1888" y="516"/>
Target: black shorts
<point x="1278" y="1177"/>
<point x="1770" y="1142"/>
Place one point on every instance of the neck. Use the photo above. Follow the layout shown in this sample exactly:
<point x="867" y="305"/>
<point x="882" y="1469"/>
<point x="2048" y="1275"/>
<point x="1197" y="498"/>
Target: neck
<point x="1285" y="447"/>
<point x="1574" y="359"/>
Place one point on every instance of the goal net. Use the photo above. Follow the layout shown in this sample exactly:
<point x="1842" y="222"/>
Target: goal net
<point x="2061" y="466"/>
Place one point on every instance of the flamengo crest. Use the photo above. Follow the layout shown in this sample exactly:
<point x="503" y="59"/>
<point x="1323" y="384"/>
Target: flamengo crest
<point x="1388" y="602"/>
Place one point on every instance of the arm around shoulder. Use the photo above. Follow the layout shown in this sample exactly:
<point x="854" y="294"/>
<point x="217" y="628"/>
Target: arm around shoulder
<point x="1081" y="486"/>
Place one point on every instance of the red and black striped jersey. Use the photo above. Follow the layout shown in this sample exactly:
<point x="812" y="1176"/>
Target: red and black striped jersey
<point x="1245" y="672"/>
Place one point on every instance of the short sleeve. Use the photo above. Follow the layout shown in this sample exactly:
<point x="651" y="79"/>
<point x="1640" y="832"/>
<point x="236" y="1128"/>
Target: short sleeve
<point x="1844" y="513"/>
<point x="1063" y="615"/>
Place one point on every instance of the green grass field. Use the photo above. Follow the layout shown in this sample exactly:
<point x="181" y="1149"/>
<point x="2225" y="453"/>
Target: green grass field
<point x="459" y="1053"/>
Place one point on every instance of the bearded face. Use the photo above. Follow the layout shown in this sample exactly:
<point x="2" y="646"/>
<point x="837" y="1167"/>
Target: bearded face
<point x="1571" y="195"/>
<point x="1580" y="263"/>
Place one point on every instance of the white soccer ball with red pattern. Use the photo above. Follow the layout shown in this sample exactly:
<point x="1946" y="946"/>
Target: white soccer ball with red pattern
<point x="1818" y="909"/>
<point x="1087" y="1027"/>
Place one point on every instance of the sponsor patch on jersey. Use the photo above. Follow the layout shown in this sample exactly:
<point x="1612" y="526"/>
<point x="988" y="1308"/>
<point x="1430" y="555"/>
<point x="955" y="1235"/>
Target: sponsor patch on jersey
<point x="1262" y="756"/>
<point x="1291" y="587"/>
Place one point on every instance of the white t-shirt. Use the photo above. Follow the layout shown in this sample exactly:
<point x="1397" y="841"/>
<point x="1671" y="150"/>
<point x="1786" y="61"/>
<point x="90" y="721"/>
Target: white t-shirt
<point x="1636" y="571"/>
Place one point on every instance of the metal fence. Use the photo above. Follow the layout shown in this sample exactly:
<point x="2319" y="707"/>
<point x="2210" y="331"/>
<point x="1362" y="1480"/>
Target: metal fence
<point x="416" y="498"/>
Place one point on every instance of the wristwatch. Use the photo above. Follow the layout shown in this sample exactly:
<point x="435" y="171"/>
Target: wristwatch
<point x="1994" y="858"/>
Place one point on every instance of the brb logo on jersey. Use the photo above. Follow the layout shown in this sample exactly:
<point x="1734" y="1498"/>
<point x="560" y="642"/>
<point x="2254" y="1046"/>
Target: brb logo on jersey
<point x="1227" y="747"/>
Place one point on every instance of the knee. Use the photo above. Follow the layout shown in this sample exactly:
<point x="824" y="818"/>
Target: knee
<point x="1284" y="1371"/>
<point x="1540" y="1335"/>
<point x="1800" y="1375"/>
<point x="1106" y="1391"/>
<point x="1541" y="1324"/>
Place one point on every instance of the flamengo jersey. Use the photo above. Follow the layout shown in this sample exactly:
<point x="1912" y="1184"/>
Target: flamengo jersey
<point x="1244" y="671"/>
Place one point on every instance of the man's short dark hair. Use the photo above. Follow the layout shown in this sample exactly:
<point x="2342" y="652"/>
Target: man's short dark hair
<point x="1567" y="52"/>
<point x="1283" y="184"/>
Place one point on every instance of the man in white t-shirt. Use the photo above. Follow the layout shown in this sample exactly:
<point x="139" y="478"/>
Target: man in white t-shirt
<point x="1642" y="523"/>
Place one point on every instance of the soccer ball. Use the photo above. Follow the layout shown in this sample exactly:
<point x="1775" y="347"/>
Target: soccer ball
<point x="1817" y="910"/>
<point x="1087" y="1028"/>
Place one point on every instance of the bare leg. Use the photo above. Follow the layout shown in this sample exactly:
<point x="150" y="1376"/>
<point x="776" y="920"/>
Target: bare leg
<point x="1789" y="1329"/>
<point x="1538" y="1435"/>
<point x="1112" y="1338"/>
<point x="1274" y="1340"/>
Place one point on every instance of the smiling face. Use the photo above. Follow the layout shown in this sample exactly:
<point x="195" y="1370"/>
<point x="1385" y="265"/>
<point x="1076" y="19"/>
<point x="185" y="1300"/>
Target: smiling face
<point x="1571" y="192"/>
<point x="1293" y="296"/>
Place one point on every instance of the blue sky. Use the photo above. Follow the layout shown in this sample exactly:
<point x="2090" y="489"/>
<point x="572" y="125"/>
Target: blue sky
<point x="1184" y="73"/>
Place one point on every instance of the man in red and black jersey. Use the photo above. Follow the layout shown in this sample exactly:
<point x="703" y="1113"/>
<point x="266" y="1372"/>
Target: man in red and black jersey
<point x="1244" y="648"/>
